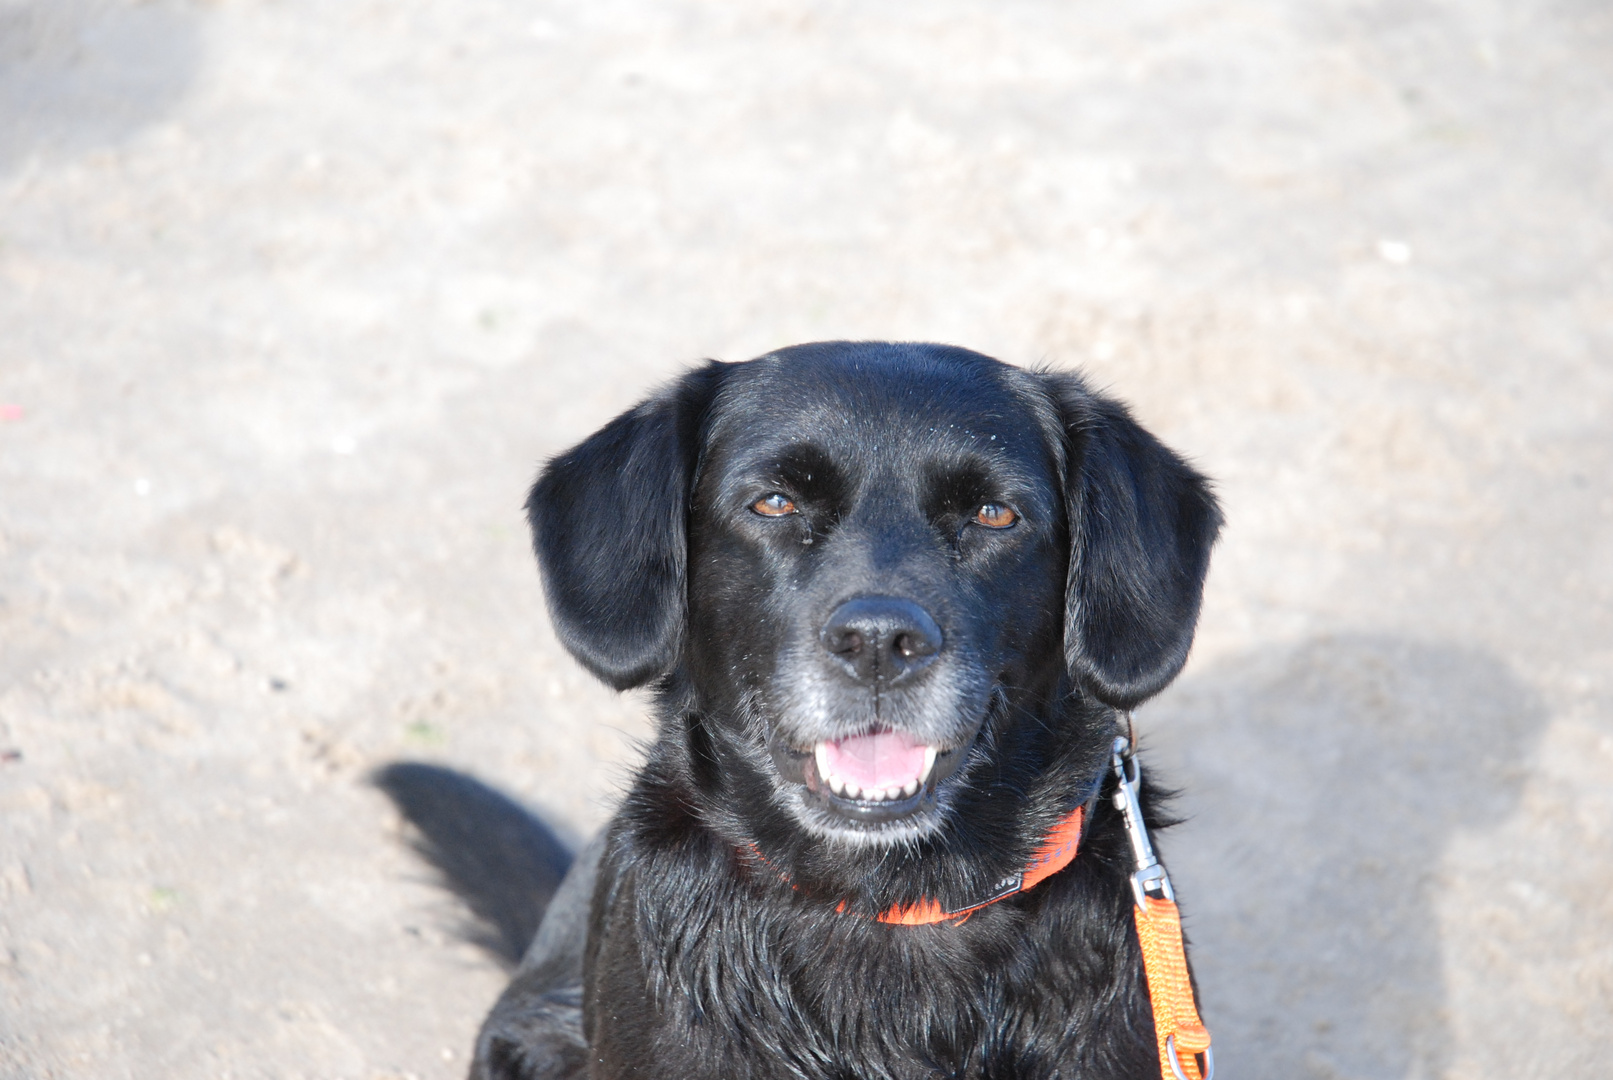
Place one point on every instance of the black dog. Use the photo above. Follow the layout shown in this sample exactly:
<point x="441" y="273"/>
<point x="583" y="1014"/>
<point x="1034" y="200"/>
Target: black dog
<point x="891" y="600"/>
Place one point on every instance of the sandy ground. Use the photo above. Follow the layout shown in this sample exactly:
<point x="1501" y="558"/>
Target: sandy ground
<point x="294" y="296"/>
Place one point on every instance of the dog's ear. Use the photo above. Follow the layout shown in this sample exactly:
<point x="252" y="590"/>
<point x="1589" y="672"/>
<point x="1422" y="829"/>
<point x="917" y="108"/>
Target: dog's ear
<point x="1142" y="523"/>
<point x="609" y="529"/>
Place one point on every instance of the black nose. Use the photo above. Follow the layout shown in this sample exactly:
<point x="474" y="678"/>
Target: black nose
<point x="882" y="637"/>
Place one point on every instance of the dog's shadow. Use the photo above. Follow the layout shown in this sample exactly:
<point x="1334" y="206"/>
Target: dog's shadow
<point x="1323" y="787"/>
<point x="502" y="861"/>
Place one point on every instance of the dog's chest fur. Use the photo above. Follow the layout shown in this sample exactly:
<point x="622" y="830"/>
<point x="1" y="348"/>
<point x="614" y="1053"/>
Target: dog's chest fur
<point x="705" y="964"/>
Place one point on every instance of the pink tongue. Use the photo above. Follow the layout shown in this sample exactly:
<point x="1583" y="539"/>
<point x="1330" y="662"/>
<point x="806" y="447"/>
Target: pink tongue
<point x="884" y="759"/>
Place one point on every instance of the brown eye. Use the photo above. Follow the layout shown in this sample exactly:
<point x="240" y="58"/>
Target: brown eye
<point x="995" y="516"/>
<point x="774" y="505"/>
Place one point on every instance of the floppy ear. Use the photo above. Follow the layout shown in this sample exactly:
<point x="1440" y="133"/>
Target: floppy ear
<point x="608" y="526"/>
<point x="1142" y="523"/>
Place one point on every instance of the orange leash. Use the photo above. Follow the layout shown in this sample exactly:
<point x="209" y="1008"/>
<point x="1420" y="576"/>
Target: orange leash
<point x="1181" y="1035"/>
<point x="1177" y="1027"/>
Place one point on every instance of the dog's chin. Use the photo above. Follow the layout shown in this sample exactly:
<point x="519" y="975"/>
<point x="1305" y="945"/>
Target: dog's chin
<point x="829" y="808"/>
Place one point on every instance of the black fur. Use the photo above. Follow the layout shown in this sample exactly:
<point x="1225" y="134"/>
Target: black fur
<point x="729" y="921"/>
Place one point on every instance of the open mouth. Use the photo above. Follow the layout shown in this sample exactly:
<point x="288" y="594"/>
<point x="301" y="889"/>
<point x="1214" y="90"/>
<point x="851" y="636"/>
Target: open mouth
<point x="882" y="766"/>
<point x="874" y="778"/>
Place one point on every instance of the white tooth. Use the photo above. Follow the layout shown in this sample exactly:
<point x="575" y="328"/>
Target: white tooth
<point x="853" y="791"/>
<point x="821" y="753"/>
<point x="911" y="788"/>
<point x="893" y="793"/>
<point x="837" y="785"/>
<point x="929" y="763"/>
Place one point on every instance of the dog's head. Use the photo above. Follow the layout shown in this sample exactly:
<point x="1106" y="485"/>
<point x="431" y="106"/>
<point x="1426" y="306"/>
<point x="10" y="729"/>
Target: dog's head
<point x="858" y="563"/>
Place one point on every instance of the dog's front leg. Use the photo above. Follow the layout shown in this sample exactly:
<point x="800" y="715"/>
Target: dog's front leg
<point x="535" y="1032"/>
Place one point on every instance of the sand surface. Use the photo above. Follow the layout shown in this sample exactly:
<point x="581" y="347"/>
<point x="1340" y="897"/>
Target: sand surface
<point x="295" y="296"/>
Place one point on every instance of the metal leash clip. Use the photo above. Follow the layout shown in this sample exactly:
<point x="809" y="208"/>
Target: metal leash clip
<point x="1150" y="878"/>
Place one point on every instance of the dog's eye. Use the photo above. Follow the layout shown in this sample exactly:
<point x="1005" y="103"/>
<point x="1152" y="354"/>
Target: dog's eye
<point x="995" y="516"/>
<point x="774" y="505"/>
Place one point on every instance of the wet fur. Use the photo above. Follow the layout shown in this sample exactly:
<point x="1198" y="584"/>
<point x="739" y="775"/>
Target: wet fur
<point x="713" y="945"/>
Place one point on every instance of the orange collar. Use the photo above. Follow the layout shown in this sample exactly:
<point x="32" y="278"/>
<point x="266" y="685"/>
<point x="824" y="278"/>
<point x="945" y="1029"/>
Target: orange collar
<point x="1054" y="855"/>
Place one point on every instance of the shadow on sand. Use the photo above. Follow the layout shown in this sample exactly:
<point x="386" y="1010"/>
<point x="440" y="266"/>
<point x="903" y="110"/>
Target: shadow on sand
<point x="1322" y="788"/>
<point x="502" y="861"/>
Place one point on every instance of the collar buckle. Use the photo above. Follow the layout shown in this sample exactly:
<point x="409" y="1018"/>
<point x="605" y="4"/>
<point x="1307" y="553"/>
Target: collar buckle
<point x="1005" y="888"/>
